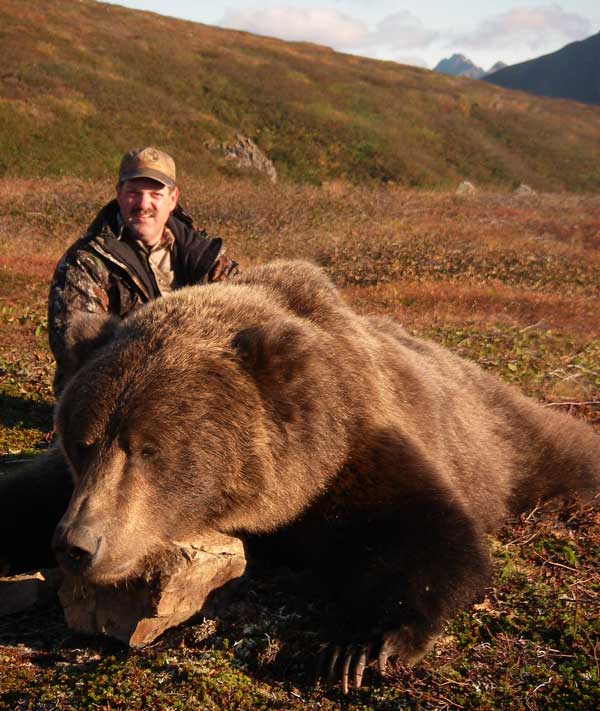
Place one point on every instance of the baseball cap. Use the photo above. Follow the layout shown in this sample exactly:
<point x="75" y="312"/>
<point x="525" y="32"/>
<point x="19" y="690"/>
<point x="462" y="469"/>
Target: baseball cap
<point x="148" y="162"/>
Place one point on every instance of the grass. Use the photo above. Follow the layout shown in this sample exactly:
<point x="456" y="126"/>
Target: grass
<point x="511" y="283"/>
<point x="80" y="80"/>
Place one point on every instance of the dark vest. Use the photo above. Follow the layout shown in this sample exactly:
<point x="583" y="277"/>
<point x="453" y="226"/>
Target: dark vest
<point x="193" y="254"/>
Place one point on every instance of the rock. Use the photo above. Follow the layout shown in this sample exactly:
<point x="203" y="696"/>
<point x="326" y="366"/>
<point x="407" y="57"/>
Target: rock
<point x="179" y="586"/>
<point x="524" y="190"/>
<point x="466" y="188"/>
<point x="245" y="154"/>
<point x="20" y="593"/>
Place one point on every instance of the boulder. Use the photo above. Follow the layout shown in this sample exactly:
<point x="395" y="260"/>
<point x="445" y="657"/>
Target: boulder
<point x="246" y="155"/>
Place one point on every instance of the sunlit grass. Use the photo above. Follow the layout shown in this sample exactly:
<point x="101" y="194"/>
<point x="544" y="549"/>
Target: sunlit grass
<point x="507" y="282"/>
<point x="80" y="80"/>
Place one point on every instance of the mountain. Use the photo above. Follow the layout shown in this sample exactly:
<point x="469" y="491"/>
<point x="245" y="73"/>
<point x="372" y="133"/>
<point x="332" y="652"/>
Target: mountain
<point x="83" y="81"/>
<point x="496" y="68"/>
<point x="572" y="72"/>
<point x="459" y="66"/>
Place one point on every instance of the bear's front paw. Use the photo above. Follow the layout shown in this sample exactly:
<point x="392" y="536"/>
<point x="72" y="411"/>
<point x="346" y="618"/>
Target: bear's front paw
<point x="346" y="663"/>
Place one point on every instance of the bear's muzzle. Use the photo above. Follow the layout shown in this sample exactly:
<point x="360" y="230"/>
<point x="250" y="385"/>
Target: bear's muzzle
<point x="75" y="548"/>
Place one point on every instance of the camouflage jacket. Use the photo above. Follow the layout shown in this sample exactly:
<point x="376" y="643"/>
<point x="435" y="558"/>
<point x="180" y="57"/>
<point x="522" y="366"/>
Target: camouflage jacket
<point x="103" y="272"/>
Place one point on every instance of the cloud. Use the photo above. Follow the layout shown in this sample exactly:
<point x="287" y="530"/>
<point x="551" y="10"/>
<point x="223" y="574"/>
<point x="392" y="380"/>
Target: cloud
<point x="398" y="32"/>
<point x="533" y="27"/>
<point x="323" y="26"/>
<point x="402" y="31"/>
<point x="412" y="60"/>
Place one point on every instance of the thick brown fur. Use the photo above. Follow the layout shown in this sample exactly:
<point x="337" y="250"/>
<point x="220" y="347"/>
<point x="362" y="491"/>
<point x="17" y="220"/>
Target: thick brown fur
<point x="266" y="408"/>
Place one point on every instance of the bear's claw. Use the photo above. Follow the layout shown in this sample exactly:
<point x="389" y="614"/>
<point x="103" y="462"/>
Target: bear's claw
<point x="347" y="663"/>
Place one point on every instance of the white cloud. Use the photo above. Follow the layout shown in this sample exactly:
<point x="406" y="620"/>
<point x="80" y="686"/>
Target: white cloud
<point x="397" y="32"/>
<point x="402" y="31"/>
<point x="512" y="35"/>
<point x="533" y="27"/>
<point x="411" y="60"/>
<point x="323" y="26"/>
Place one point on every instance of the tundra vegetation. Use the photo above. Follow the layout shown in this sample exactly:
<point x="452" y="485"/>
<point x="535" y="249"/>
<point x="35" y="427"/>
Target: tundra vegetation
<point x="78" y="76"/>
<point x="511" y="282"/>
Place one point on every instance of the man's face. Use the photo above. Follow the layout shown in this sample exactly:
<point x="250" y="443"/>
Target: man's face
<point x="145" y="206"/>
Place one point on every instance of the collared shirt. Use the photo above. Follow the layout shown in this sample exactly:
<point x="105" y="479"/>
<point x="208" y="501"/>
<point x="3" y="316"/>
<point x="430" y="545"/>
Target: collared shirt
<point x="159" y="259"/>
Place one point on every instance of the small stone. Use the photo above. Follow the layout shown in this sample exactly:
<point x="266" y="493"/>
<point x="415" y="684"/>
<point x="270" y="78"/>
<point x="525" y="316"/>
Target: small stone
<point x="466" y="188"/>
<point x="524" y="190"/>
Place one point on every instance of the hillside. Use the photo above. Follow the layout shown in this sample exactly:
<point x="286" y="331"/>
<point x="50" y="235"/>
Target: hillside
<point x="572" y="72"/>
<point x="82" y="81"/>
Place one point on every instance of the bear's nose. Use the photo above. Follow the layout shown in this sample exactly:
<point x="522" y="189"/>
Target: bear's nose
<point x="75" y="548"/>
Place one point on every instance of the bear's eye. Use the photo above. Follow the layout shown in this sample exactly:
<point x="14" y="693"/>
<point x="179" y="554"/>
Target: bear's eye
<point x="149" y="450"/>
<point x="83" y="449"/>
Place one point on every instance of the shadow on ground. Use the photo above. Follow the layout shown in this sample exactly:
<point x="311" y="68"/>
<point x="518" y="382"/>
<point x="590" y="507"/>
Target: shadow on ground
<point x="16" y="411"/>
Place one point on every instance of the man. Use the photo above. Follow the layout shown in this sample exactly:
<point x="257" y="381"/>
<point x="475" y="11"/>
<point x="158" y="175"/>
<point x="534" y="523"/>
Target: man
<point x="140" y="246"/>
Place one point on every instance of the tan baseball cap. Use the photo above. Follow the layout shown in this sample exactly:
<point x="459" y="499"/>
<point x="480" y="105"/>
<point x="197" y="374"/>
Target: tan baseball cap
<point x="148" y="162"/>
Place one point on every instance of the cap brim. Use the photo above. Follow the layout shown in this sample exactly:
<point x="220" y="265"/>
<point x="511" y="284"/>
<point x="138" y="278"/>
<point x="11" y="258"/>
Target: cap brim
<point x="148" y="173"/>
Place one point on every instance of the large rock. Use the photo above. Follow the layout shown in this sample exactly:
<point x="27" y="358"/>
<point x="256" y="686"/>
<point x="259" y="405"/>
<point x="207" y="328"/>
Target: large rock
<point x="136" y="612"/>
<point x="246" y="155"/>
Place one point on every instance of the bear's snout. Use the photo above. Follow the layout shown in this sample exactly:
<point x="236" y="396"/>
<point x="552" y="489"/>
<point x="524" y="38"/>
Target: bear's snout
<point x="75" y="548"/>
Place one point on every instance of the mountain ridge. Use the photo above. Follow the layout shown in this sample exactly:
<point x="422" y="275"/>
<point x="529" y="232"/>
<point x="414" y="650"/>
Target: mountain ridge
<point x="572" y="72"/>
<point x="460" y="65"/>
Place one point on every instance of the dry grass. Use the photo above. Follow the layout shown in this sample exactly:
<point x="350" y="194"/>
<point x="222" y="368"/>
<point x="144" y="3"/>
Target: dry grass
<point x="513" y="283"/>
<point x="451" y="304"/>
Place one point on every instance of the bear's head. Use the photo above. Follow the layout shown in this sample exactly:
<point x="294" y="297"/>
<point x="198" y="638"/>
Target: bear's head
<point x="179" y="420"/>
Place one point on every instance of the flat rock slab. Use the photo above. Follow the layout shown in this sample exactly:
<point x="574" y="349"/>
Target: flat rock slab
<point x="20" y="593"/>
<point x="137" y="611"/>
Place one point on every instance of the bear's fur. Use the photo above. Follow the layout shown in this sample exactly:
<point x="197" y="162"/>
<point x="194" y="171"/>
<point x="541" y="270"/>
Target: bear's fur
<point x="267" y="409"/>
<point x="33" y="497"/>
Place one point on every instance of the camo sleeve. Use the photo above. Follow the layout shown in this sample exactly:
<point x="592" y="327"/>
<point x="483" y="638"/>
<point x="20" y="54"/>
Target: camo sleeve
<point x="223" y="268"/>
<point x="80" y="283"/>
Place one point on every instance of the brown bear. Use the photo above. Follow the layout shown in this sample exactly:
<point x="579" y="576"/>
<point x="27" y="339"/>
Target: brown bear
<point x="267" y="409"/>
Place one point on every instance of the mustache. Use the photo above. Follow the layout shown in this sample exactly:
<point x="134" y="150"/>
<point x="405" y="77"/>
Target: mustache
<point x="142" y="213"/>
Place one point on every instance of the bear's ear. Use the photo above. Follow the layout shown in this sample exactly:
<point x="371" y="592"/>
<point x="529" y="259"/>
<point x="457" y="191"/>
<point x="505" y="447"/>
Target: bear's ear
<point x="276" y="352"/>
<point x="86" y="333"/>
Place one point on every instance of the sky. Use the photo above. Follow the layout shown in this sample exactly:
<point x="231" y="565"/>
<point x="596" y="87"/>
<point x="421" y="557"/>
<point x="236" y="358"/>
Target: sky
<point x="418" y="32"/>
